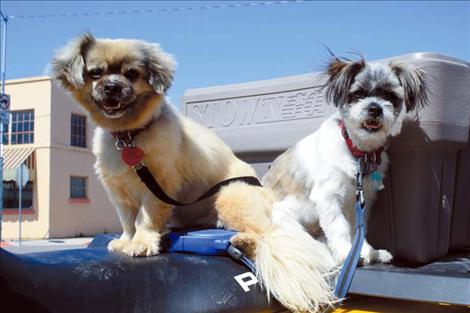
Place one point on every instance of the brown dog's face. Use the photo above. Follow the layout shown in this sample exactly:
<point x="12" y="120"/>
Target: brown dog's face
<point x="119" y="82"/>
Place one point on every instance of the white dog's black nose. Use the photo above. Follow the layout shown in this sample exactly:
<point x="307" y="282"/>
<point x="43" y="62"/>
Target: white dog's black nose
<point x="374" y="110"/>
<point x="112" y="88"/>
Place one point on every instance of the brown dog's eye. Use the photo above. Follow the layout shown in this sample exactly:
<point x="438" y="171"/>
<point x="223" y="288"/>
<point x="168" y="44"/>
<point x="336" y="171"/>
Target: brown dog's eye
<point x="95" y="73"/>
<point x="391" y="97"/>
<point x="132" y="75"/>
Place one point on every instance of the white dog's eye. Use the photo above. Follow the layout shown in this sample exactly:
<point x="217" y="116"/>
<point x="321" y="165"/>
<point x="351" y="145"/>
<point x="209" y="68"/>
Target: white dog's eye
<point x="391" y="97"/>
<point x="357" y="95"/>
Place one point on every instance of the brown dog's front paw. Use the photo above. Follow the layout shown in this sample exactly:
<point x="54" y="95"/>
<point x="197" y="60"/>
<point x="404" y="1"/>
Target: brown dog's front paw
<point x="143" y="244"/>
<point x="118" y="245"/>
<point x="246" y="243"/>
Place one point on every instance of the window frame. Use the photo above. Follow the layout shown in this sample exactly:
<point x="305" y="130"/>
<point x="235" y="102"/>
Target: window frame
<point x="20" y="123"/>
<point x="77" y="139"/>
<point x="72" y="197"/>
<point x="29" y="188"/>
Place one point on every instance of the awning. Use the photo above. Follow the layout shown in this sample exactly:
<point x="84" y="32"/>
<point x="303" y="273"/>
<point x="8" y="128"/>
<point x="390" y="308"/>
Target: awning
<point x="14" y="157"/>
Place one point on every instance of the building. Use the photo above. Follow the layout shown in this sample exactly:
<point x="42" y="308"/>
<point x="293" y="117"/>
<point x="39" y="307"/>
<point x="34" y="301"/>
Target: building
<point x="49" y="133"/>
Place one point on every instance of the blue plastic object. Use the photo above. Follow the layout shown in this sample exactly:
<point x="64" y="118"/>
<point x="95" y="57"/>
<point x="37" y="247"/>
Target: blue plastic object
<point x="202" y="242"/>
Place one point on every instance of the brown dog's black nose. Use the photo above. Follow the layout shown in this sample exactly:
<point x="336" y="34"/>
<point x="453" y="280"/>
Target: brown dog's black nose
<point x="112" y="88"/>
<point x="374" y="110"/>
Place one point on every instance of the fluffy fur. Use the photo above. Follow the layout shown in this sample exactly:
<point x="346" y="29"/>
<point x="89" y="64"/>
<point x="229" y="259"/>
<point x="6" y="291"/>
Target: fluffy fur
<point x="121" y="83"/>
<point x="314" y="181"/>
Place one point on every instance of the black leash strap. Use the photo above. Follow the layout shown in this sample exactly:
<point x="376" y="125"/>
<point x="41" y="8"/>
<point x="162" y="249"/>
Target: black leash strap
<point x="152" y="184"/>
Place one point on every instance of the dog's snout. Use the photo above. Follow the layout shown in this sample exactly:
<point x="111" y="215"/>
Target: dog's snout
<point x="112" y="88"/>
<point x="374" y="110"/>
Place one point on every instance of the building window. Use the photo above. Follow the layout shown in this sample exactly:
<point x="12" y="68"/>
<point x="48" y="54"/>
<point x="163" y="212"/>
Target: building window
<point x="22" y="127"/>
<point x="78" y="131"/>
<point x="11" y="196"/>
<point x="78" y="187"/>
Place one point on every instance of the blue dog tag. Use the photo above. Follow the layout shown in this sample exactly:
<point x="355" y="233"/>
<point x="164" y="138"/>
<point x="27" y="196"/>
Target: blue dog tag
<point x="377" y="179"/>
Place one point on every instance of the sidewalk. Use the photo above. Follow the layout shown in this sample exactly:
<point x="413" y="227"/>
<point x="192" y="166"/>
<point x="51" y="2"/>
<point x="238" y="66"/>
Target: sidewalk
<point x="31" y="246"/>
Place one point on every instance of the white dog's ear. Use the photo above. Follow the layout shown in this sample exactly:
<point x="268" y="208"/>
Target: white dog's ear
<point x="68" y="64"/>
<point x="341" y="77"/>
<point x="414" y="84"/>
<point x="161" y="67"/>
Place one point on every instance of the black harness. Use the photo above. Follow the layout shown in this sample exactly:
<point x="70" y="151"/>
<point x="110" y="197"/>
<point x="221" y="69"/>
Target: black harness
<point x="152" y="184"/>
<point x="133" y="156"/>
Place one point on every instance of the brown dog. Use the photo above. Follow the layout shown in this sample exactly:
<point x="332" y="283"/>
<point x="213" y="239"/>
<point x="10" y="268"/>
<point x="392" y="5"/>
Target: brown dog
<point x="121" y="83"/>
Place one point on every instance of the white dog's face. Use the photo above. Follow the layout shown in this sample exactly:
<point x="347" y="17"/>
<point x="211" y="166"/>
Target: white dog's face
<point x="373" y="98"/>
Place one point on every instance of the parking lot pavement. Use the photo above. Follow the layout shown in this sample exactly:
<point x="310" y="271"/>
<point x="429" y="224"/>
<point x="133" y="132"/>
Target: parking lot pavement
<point x="31" y="246"/>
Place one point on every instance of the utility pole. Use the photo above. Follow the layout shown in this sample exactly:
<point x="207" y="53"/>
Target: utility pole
<point x="4" y="105"/>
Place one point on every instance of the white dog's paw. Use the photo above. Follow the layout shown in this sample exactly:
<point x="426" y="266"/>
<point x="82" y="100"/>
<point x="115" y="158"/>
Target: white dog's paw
<point x="118" y="245"/>
<point x="377" y="256"/>
<point x="143" y="244"/>
<point x="383" y="256"/>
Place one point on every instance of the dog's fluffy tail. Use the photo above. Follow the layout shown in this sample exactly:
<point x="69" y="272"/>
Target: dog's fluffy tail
<point x="296" y="269"/>
<point x="292" y="266"/>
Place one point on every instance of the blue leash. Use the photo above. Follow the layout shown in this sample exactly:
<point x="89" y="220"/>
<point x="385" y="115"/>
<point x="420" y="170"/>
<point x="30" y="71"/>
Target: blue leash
<point x="350" y="264"/>
<point x="239" y="256"/>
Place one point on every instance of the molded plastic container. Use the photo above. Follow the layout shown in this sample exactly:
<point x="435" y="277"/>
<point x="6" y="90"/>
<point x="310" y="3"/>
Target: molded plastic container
<point x="424" y="210"/>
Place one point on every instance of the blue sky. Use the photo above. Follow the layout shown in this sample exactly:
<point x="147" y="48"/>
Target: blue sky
<point x="239" y="44"/>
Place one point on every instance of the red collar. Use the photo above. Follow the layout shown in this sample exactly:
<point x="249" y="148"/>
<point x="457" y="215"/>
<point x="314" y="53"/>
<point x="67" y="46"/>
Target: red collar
<point x="128" y="135"/>
<point x="372" y="156"/>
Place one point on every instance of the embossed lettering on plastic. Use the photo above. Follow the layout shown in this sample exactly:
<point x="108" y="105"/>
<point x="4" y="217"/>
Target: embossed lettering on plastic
<point x="252" y="110"/>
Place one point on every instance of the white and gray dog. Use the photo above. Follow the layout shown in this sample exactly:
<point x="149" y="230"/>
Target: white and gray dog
<point x="314" y="181"/>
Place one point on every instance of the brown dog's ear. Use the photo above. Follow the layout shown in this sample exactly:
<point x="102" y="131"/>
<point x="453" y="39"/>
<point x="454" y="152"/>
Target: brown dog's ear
<point x="68" y="64"/>
<point x="413" y="82"/>
<point x="341" y="77"/>
<point x="161" y="67"/>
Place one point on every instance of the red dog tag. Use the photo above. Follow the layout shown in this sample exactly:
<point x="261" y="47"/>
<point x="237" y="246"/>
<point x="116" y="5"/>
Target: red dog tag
<point x="132" y="155"/>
